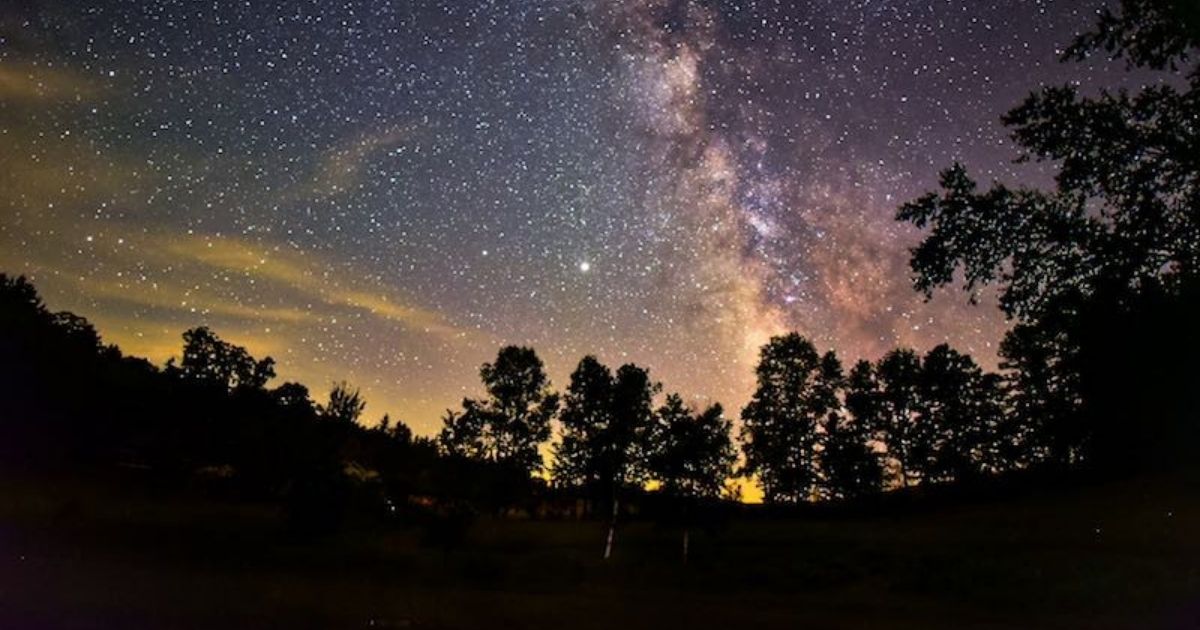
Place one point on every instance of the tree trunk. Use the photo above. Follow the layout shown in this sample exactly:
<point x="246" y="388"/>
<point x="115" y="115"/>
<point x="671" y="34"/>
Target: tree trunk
<point x="686" y="531"/>
<point x="612" y="529"/>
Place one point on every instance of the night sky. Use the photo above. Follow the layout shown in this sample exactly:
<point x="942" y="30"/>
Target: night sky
<point x="387" y="192"/>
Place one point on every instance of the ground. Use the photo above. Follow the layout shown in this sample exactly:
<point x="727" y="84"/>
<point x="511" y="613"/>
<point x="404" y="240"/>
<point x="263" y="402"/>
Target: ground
<point x="77" y="554"/>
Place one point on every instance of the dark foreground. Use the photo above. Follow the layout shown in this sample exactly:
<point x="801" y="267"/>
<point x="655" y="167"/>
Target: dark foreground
<point x="1118" y="555"/>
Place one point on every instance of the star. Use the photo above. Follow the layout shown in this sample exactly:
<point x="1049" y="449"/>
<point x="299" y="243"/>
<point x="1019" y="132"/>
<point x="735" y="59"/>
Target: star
<point x="346" y="186"/>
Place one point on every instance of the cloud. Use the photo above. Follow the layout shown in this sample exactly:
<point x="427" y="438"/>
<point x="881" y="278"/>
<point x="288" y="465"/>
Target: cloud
<point x="341" y="168"/>
<point x="29" y="83"/>
<point x="301" y="274"/>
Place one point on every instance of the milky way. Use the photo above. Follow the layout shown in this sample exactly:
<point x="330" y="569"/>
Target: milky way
<point x="386" y="192"/>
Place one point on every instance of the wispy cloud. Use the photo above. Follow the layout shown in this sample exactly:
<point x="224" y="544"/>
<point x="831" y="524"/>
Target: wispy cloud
<point x="33" y="83"/>
<point x="299" y="273"/>
<point x="340" y="169"/>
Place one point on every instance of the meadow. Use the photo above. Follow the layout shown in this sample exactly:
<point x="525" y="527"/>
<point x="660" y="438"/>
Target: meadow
<point x="105" y="553"/>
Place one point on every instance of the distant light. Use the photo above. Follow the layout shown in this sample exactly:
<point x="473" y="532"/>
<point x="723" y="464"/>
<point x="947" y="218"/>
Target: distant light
<point x="585" y="266"/>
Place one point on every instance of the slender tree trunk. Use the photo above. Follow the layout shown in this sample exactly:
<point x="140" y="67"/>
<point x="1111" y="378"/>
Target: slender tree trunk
<point x="686" y="531"/>
<point x="612" y="527"/>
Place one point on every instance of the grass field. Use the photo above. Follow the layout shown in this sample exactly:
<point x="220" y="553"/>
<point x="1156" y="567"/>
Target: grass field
<point x="1118" y="555"/>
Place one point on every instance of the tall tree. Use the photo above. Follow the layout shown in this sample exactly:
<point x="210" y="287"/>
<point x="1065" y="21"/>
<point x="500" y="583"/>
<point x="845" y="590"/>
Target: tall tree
<point x="510" y="425"/>
<point x="950" y="390"/>
<point x="864" y="397"/>
<point x="585" y="417"/>
<point x="851" y="465"/>
<point x="1076" y="264"/>
<point x="1001" y="438"/>
<point x="621" y="443"/>
<point x="1047" y="395"/>
<point x="779" y="425"/>
<point x="690" y="455"/>
<point x="898" y="406"/>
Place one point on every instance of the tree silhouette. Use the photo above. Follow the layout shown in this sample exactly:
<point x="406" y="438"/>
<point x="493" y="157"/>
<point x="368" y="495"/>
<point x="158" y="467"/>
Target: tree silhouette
<point x="1003" y="438"/>
<point x="585" y="417"/>
<point x="621" y="443"/>
<point x="1119" y="227"/>
<point x="1047" y="394"/>
<point x="690" y="455"/>
<point x="399" y="431"/>
<point x="956" y="433"/>
<point x="509" y="426"/>
<point x="779" y="426"/>
<point x="345" y="404"/>
<point x="851" y="467"/>
<point x="632" y="413"/>
<point x="897" y="405"/>
<point x="292" y="396"/>
<point x="209" y="360"/>
<point x="463" y="433"/>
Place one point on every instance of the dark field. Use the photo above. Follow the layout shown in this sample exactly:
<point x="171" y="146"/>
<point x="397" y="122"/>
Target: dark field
<point x="1123" y="555"/>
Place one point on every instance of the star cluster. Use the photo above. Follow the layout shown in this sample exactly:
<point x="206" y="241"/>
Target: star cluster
<point x="387" y="192"/>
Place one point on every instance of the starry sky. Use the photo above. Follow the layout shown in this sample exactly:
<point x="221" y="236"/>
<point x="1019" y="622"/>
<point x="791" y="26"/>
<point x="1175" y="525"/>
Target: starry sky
<point x="387" y="192"/>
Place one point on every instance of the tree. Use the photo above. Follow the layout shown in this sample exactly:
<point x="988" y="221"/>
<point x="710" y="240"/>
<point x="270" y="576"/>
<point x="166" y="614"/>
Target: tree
<point x="1002" y="437"/>
<point x="604" y="421"/>
<point x="1075" y="265"/>
<point x="850" y="464"/>
<point x="209" y="360"/>
<point x="898" y="405"/>
<point x="864" y="398"/>
<point x="950" y="391"/>
<point x="620" y="445"/>
<point x="690" y="455"/>
<point x="398" y="432"/>
<point x="779" y="425"/>
<point x="1046" y="394"/>
<point x="462" y="433"/>
<point x="632" y="412"/>
<point x="508" y="427"/>
<point x="292" y="396"/>
<point x="585" y="416"/>
<point x="345" y="405"/>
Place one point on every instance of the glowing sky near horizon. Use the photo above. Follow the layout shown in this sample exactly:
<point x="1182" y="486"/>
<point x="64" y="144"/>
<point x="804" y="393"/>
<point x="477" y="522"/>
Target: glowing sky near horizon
<point x="386" y="192"/>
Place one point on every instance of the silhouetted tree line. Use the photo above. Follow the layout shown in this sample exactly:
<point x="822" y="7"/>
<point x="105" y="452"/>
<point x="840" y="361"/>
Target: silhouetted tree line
<point x="1098" y="275"/>
<point x="812" y="432"/>
<point x="69" y="401"/>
